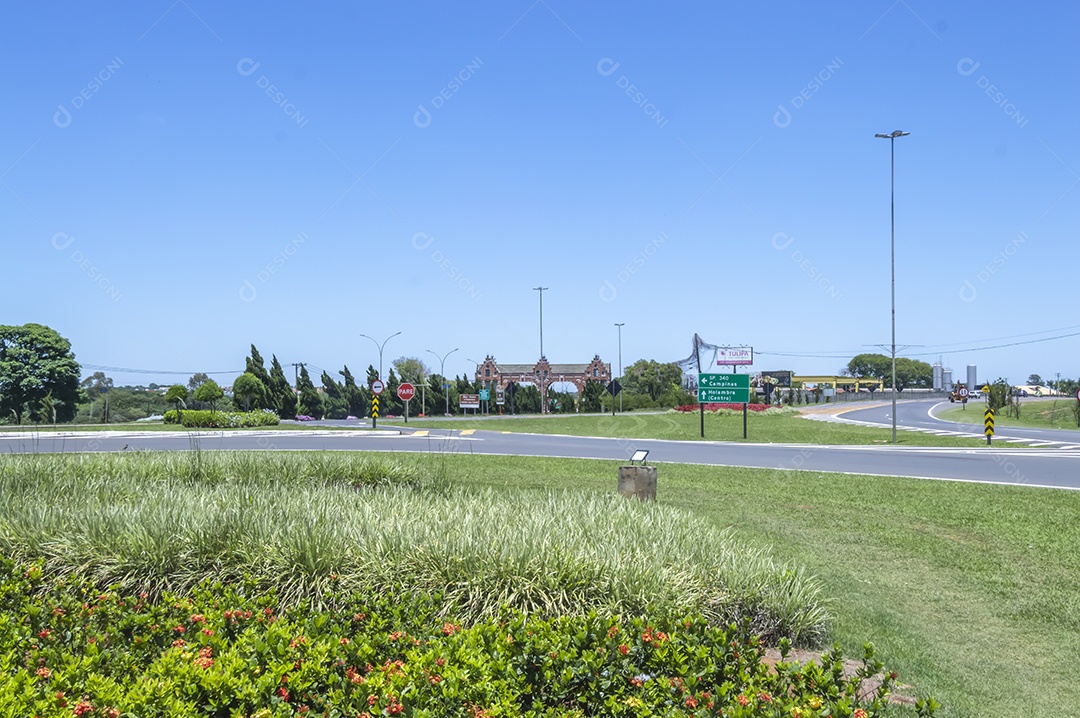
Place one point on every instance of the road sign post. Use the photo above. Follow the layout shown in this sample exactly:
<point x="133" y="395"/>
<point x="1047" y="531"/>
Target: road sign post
<point x="988" y="425"/>
<point x="723" y="389"/>
<point x="405" y="392"/>
<point x="376" y="388"/>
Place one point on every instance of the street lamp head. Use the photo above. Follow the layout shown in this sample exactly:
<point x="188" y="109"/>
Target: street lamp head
<point x="892" y="135"/>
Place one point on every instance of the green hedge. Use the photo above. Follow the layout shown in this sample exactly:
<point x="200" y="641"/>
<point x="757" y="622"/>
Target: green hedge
<point x="222" y="651"/>
<point x="196" y="419"/>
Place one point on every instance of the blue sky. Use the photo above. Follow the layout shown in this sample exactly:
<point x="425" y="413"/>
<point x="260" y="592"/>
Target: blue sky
<point x="182" y="179"/>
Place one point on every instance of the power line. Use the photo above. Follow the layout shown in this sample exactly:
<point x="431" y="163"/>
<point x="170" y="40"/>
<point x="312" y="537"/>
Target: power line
<point x="124" y="370"/>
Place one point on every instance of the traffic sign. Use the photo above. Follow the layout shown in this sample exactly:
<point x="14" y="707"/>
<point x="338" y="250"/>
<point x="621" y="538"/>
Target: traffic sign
<point x="614" y="387"/>
<point x="377" y="387"/>
<point x="375" y="406"/>
<point x="986" y="389"/>
<point x="723" y="388"/>
<point x="1078" y="394"/>
<point x="485" y="394"/>
<point x="988" y="424"/>
<point x="963" y="391"/>
<point x="406" y="391"/>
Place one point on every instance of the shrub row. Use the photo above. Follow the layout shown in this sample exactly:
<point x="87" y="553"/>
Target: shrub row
<point x="70" y="650"/>
<point x="767" y="408"/>
<point x="201" y="419"/>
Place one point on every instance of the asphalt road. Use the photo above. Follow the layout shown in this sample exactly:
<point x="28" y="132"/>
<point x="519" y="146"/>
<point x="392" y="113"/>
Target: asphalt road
<point x="918" y="415"/>
<point x="1006" y="465"/>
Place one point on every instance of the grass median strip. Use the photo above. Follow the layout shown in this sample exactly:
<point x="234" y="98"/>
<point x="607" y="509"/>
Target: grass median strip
<point x="785" y="427"/>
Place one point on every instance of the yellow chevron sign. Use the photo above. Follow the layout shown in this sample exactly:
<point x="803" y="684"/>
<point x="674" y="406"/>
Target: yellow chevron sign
<point x="988" y="422"/>
<point x="375" y="406"/>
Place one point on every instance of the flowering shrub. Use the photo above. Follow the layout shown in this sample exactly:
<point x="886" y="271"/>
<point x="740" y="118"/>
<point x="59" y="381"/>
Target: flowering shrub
<point x="73" y="649"/>
<point x="304" y="417"/>
<point x="193" y="419"/>
<point x="729" y="407"/>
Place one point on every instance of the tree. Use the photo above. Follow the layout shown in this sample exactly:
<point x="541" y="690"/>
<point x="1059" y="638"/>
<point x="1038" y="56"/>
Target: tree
<point x="196" y="379"/>
<point x="1035" y="380"/>
<point x="36" y="362"/>
<point x="411" y="369"/>
<point x="209" y="391"/>
<point x="282" y="395"/>
<point x="590" y="398"/>
<point x="310" y="401"/>
<point x="646" y="377"/>
<point x="247" y="388"/>
<point x="870" y="366"/>
<point x="176" y="395"/>
<point x="354" y="398"/>
<point x="256" y="367"/>
<point x="334" y="404"/>
<point x="910" y="373"/>
<point x="95" y="385"/>
<point x="389" y="403"/>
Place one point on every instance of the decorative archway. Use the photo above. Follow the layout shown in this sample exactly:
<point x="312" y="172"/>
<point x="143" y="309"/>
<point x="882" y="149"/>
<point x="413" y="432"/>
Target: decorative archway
<point x="543" y="374"/>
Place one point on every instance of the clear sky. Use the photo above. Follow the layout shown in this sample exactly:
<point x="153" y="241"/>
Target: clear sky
<point x="182" y="179"/>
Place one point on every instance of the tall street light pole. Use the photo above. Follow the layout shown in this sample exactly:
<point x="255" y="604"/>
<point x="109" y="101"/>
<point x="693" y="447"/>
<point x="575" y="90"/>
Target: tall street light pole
<point x="620" y="325"/>
<point x="891" y="137"/>
<point x="543" y="379"/>
<point x="541" y="290"/>
<point x="442" y="372"/>
<point x="486" y="404"/>
<point x="381" y="348"/>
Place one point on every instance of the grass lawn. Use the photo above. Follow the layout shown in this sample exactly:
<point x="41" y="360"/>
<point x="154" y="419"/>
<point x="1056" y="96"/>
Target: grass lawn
<point x="1034" y="413"/>
<point x="774" y="428"/>
<point x="968" y="590"/>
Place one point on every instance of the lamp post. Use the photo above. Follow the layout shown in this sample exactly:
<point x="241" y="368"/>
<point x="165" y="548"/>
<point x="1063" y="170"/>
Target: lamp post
<point x="442" y="373"/>
<point x="891" y="137"/>
<point x="483" y="385"/>
<point x="543" y="381"/>
<point x="620" y="325"/>
<point x="381" y="348"/>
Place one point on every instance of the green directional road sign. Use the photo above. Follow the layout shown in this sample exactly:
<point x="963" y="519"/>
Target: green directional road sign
<point x="724" y="388"/>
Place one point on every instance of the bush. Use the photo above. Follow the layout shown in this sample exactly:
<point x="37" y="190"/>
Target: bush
<point x="194" y="419"/>
<point x="725" y="408"/>
<point x="74" y="650"/>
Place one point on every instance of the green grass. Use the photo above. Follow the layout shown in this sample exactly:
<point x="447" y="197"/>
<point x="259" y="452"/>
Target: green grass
<point x="1034" y="413"/>
<point x="386" y="527"/>
<point x="785" y="428"/>
<point x="968" y="590"/>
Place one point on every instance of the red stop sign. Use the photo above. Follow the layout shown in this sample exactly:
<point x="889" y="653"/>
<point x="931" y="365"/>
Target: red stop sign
<point x="406" y="391"/>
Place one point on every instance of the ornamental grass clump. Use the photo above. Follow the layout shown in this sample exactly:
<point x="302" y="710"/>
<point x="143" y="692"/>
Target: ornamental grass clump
<point x="313" y="524"/>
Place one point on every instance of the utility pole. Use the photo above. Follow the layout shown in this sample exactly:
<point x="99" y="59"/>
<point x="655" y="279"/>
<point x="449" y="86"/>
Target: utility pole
<point x="296" y="383"/>
<point x="620" y="325"/>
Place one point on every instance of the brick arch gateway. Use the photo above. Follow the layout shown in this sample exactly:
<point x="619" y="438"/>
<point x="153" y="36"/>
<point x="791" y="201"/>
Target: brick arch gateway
<point x="492" y="374"/>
